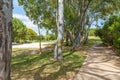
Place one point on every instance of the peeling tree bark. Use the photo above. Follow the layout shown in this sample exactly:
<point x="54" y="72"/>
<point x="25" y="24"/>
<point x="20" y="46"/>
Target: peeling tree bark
<point x="60" y="27"/>
<point x="5" y="38"/>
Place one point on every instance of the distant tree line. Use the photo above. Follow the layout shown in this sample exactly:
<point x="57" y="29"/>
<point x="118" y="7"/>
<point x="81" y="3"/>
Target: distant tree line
<point x="23" y="34"/>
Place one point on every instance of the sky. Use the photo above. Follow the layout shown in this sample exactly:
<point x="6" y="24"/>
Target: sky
<point x="19" y="13"/>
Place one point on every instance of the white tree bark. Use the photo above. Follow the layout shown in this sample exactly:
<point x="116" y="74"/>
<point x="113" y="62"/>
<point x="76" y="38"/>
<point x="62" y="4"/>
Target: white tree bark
<point x="60" y="27"/>
<point x="5" y="38"/>
<point x="39" y="38"/>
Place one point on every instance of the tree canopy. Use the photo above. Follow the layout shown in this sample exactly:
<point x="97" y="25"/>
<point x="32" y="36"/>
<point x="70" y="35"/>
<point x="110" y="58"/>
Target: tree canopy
<point x="21" y="32"/>
<point x="78" y="16"/>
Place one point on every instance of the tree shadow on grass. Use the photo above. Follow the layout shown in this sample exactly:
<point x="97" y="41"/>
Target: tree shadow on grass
<point x="61" y="73"/>
<point x="28" y="55"/>
<point x="46" y="69"/>
<point x="23" y="61"/>
<point x="64" y="67"/>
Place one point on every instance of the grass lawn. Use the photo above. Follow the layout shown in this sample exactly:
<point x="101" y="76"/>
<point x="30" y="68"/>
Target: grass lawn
<point x="29" y="64"/>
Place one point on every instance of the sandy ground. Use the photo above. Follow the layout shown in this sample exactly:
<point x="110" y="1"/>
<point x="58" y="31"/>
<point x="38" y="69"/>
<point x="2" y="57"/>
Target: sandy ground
<point x="32" y="45"/>
<point x="101" y="64"/>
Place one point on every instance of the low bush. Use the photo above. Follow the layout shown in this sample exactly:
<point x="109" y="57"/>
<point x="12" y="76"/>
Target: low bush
<point x="110" y="32"/>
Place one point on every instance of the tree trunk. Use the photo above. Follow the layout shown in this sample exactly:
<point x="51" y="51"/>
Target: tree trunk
<point x="5" y="38"/>
<point x="71" y="39"/>
<point x="76" y="42"/>
<point x="39" y="39"/>
<point x="86" y="35"/>
<point x="60" y="27"/>
<point x="81" y="18"/>
<point x="67" y="37"/>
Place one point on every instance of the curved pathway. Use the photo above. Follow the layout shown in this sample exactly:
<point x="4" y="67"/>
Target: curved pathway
<point x="101" y="64"/>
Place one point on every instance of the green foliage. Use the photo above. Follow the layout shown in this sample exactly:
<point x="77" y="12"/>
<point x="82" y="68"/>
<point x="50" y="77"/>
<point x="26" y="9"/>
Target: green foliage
<point x="50" y="37"/>
<point x="31" y="35"/>
<point x="53" y="37"/>
<point x="47" y="37"/>
<point x="77" y="14"/>
<point x="44" y="8"/>
<point x="21" y="32"/>
<point x="92" y="32"/>
<point x="110" y="32"/>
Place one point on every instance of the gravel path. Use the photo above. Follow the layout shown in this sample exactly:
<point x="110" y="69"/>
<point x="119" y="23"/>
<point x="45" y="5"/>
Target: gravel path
<point x="32" y="45"/>
<point x="101" y="64"/>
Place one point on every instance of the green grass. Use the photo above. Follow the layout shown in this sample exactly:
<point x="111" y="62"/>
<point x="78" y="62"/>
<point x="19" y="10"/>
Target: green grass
<point x="29" y="64"/>
<point x="43" y="67"/>
<point x="93" y="40"/>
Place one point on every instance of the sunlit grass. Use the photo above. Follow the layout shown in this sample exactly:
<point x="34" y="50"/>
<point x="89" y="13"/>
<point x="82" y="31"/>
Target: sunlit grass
<point x="29" y="64"/>
<point x="92" y="40"/>
<point x="43" y="67"/>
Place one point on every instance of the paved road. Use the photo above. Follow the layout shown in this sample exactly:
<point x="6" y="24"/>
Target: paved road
<point x="101" y="64"/>
<point x="32" y="45"/>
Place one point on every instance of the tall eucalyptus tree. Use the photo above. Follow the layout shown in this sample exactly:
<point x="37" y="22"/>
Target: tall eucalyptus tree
<point x="60" y="30"/>
<point x="5" y="38"/>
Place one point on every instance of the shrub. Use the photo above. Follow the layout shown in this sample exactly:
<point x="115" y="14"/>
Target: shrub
<point x="110" y="32"/>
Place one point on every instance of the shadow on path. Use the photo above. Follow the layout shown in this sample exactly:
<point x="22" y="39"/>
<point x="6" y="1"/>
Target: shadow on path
<point x="101" y="64"/>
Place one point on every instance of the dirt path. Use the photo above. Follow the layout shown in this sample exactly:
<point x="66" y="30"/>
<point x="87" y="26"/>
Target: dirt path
<point x="101" y="64"/>
<point x="33" y="45"/>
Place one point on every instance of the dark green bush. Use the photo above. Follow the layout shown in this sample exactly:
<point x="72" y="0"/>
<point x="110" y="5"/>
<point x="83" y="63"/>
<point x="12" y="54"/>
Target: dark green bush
<point x="110" y="32"/>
